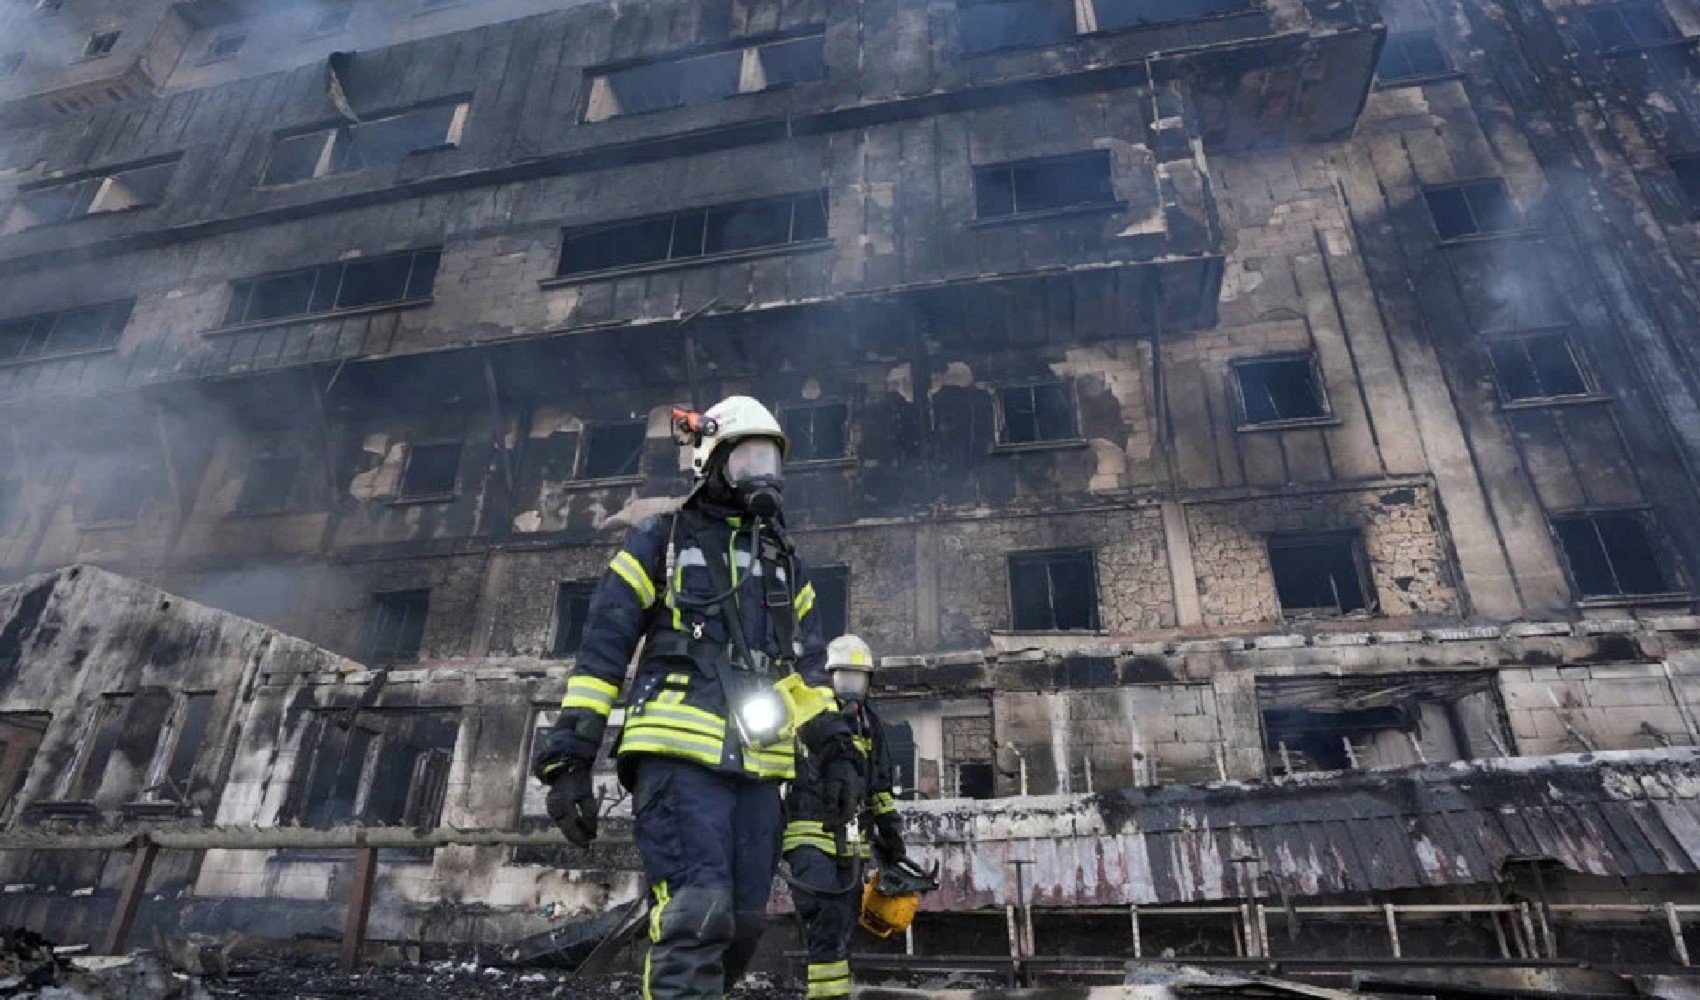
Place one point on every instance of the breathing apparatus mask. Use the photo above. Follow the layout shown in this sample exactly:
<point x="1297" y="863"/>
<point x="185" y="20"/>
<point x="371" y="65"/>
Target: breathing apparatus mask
<point x="753" y="475"/>
<point x="850" y="683"/>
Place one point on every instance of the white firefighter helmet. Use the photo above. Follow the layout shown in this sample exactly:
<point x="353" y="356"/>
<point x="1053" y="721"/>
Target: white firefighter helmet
<point x="850" y="663"/>
<point x="731" y="420"/>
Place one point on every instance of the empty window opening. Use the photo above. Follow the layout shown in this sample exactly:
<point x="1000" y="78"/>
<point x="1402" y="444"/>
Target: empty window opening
<point x="119" y="746"/>
<point x="395" y="626"/>
<point x="1053" y="591"/>
<point x="1120" y="15"/>
<point x="21" y="734"/>
<point x="700" y="79"/>
<point x="114" y="191"/>
<point x="817" y="433"/>
<point x="991" y="25"/>
<point x="432" y="471"/>
<point x="117" y="493"/>
<point x="1396" y="720"/>
<point x="1611" y="555"/>
<point x="332" y="19"/>
<point x="383" y="767"/>
<point x="613" y="450"/>
<point x="900" y="743"/>
<point x="300" y="156"/>
<point x="832" y="599"/>
<point x="1048" y="185"/>
<point x="1687" y="171"/>
<point x="966" y="768"/>
<point x="1537" y="367"/>
<point x="226" y="45"/>
<point x="1627" y="25"/>
<point x="696" y="233"/>
<point x="100" y="44"/>
<point x="10" y="63"/>
<point x="1478" y="208"/>
<point x="1319" y="575"/>
<point x="1411" y="55"/>
<point x="1278" y="389"/>
<point x="1041" y="412"/>
<point x="353" y="284"/>
<point x="70" y="331"/>
<point x="572" y="610"/>
<point x="273" y="482"/>
<point x="180" y="747"/>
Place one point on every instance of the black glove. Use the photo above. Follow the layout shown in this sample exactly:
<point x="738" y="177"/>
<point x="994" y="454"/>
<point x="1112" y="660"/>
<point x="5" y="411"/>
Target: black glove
<point x="887" y="837"/>
<point x="841" y="783"/>
<point x="572" y="803"/>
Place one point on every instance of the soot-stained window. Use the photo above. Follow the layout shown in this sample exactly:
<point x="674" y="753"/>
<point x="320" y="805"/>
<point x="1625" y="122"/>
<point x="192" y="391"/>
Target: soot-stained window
<point x="1687" y="171"/>
<point x="276" y="480"/>
<point x="1611" y="555"/>
<point x="1477" y="208"/>
<point x="352" y="284"/>
<point x="69" y="331"/>
<point x="340" y="149"/>
<point x="115" y="189"/>
<point x="1391" y="720"/>
<point x="702" y="78"/>
<point x="1626" y="26"/>
<point x="432" y="471"/>
<point x="20" y="738"/>
<point x="1040" y="412"/>
<point x="612" y="451"/>
<point x="818" y="432"/>
<point x="119" y="744"/>
<point x="395" y="626"/>
<point x="1411" y="55"/>
<point x="1540" y="366"/>
<point x="832" y="599"/>
<point x="992" y="25"/>
<point x="118" y="490"/>
<point x="1122" y="15"/>
<point x="1278" y="389"/>
<point x="100" y="43"/>
<point x="188" y="732"/>
<point x="1056" y="183"/>
<point x="1319" y="575"/>
<point x="225" y="45"/>
<point x="572" y="610"/>
<point x="694" y="234"/>
<point x="900" y="743"/>
<point x="1052" y="591"/>
<point x="382" y="767"/>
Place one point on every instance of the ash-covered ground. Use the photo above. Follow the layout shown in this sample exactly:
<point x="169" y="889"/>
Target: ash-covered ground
<point x="314" y="979"/>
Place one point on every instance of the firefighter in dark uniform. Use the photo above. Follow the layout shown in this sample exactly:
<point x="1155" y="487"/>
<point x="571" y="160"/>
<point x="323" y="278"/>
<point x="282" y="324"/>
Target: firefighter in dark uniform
<point x="731" y="679"/>
<point x="824" y="864"/>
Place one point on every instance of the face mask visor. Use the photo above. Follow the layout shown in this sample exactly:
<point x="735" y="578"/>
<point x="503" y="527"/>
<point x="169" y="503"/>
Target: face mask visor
<point x="753" y="460"/>
<point x="850" y="684"/>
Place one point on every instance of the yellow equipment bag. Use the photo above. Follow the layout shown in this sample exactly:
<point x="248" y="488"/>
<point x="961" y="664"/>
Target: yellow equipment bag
<point x="882" y="915"/>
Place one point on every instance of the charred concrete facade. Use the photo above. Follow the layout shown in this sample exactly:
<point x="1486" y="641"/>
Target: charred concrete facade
<point x="1185" y="392"/>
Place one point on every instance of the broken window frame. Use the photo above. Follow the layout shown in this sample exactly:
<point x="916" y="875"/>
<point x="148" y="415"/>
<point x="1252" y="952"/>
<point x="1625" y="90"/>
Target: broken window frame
<point x="1632" y="18"/>
<point x="106" y="191"/>
<point x="832" y="599"/>
<point x="1239" y="368"/>
<point x="100" y="44"/>
<point x="1398" y="49"/>
<point x="753" y="56"/>
<point x="108" y="709"/>
<point x="413" y="606"/>
<point x="802" y="425"/>
<point x="326" y="286"/>
<point x="1041" y="23"/>
<point x="331" y="158"/>
<point x="27" y="751"/>
<point x="423" y="794"/>
<point x="572" y="611"/>
<point x="28" y="339"/>
<point x="689" y="233"/>
<point x="1038" y="173"/>
<point x="1331" y="700"/>
<point x="1484" y="225"/>
<point x="297" y="488"/>
<point x="170" y="772"/>
<point x="1362" y="575"/>
<point x="416" y="492"/>
<point x="1522" y="341"/>
<point x="1668" y="580"/>
<point x="587" y="450"/>
<point x="1048" y="560"/>
<point x="223" y="47"/>
<point x="1042" y="436"/>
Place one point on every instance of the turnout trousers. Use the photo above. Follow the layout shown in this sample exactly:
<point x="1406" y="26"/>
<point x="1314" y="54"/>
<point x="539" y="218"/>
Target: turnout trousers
<point x="828" y="919"/>
<point x="710" y="845"/>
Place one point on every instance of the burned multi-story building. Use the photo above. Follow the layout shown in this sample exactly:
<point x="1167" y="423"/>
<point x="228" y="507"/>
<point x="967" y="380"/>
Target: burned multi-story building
<point x="1182" y="393"/>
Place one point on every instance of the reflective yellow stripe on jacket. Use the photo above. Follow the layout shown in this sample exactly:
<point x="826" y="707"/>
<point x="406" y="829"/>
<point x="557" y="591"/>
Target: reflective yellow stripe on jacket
<point x="881" y="803"/>
<point x="626" y="567"/>
<point x="593" y="693"/>
<point x="665" y="725"/>
<point x="812" y="833"/>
